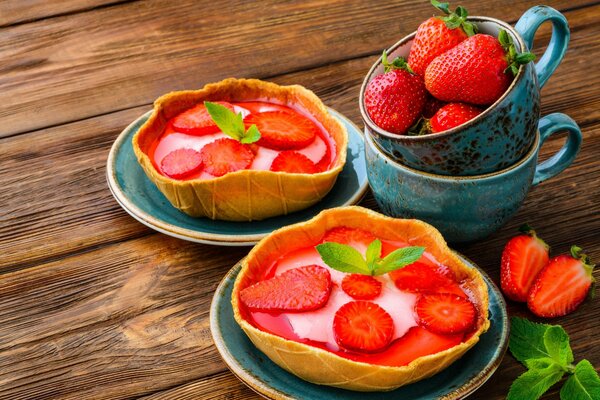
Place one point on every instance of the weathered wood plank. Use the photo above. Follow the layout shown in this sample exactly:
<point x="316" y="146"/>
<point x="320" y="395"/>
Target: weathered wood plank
<point x="55" y="199"/>
<point x="18" y="11"/>
<point x="108" y="59"/>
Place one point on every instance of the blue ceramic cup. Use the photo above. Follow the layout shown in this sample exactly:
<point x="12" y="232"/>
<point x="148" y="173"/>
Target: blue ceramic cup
<point x="505" y="131"/>
<point x="465" y="209"/>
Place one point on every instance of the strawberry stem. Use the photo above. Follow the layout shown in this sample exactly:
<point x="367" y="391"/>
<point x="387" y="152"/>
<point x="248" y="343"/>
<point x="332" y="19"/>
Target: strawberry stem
<point x="398" y="63"/>
<point x="455" y="19"/>
<point x="513" y="58"/>
<point x="526" y="228"/>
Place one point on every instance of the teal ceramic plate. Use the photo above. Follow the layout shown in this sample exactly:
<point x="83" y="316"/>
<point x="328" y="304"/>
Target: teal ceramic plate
<point x="143" y="201"/>
<point x="263" y="376"/>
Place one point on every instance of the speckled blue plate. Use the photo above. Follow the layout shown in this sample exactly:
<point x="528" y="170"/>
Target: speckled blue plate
<point x="252" y="367"/>
<point x="144" y="202"/>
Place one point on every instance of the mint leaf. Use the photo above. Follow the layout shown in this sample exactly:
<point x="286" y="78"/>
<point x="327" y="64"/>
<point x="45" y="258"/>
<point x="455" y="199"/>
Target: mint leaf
<point x="399" y="258"/>
<point x="232" y="124"/>
<point x="584" y="384"/>
<point x="343" y="258"/>
<point x="556" y="341"/>
<point x="527" y="339"/>
<point x="534" y="383"/>
<point x="373" y="255"/>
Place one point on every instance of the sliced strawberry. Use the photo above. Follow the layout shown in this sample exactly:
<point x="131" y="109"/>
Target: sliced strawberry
<point x="296" y="290"/>
<point x="324" y="162"/>
<point x="181" y="163"/>
<point x="363" y="326"/>
<point x="226" y="155"/>
<point x="361" y="287"/>
<point x="197" y="120"/>
<point x="421" y="277"/>
<point x="282" y="130"/>
<point x="523" y="258"/>
<point x="562" y="285"/>
<point x="293" y="162"/>
<point x="349" y="236"/>
<point x="445" y="313"/>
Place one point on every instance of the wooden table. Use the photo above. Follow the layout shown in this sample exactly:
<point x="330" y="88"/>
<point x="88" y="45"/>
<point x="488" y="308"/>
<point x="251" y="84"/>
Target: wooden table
<point x="95" y="305"/>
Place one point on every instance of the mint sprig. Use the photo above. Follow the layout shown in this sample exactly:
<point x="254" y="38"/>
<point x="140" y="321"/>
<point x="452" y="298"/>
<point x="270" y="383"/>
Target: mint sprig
<point x="545" y="350"/>
<point x="232" y="124"/>
<point x="346" y="258"/>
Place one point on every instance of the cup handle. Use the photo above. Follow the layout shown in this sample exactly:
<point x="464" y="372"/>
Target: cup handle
<point x="527" y="26"/>
<point x="548" y="126"/>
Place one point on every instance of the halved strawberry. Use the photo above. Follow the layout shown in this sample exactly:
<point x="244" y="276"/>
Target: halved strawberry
<point x="523" y="258"/>
<point x="181" y="163"/>
<point x="349" y="236"/>
<point x="363" y="326"/>
<point x="445" y="313"/>
<point x="293" y="162"/>
<point x="197" y="120"/>
<point x="281" y="130"/>
<point x="226" y="155"/>
<point x="420" y="277"/>
<point x="296" y="290"/>
<point x="361" y="287"/>
<point x="562" y="285"/>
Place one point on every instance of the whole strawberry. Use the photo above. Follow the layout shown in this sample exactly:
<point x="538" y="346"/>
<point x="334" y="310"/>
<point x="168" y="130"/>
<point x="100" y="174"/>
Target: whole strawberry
<point x="395" y="99"/>
<point x="477" y="71"/>
<point x="524" y="256"/>
<point x="439" y="34"/>
<point x="451" y="115"/>
<point x="562" y="285"/>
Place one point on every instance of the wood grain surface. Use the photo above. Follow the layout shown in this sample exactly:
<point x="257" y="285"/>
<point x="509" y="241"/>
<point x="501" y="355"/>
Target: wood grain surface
<point x="95" y="305"/>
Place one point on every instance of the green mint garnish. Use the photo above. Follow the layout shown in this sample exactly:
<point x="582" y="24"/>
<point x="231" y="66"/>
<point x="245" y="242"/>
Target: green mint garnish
<point x="455" y="19"/>
<point x="347" y="259"/>
<point x="546" y="352"/>
<point x="514" y="59"/>
<point x="232" y="124"/>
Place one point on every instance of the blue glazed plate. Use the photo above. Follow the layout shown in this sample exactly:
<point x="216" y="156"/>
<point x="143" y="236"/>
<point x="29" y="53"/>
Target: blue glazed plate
<point x="144" y="202"/>
<point x="253" y="368"/>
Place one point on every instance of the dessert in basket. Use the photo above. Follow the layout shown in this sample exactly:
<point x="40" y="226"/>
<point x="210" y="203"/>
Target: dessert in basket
<point x="358" y="300"/>
<point x="241" y="149"/>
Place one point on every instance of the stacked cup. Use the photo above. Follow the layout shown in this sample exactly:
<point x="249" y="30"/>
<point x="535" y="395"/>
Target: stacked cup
<point x="469" y="180"/>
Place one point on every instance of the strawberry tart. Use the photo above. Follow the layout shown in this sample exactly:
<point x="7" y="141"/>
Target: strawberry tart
<point x="357" y="300"/>
<point x="241" y="149"/>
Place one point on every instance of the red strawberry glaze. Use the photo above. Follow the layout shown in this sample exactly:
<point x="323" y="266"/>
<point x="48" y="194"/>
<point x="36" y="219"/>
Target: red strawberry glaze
<point x="319" y="151"/>
<point x="315" y="328"/>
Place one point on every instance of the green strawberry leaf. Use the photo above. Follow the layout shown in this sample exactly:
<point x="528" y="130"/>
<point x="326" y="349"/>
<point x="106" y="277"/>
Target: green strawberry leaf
<point x="535" y="382"/>
<point x="584" y="384"/>
<point x="343" y="258"/>
<point x="556" y="342"/>
<point x="398" y="63"/>
<point x="232" y="124"/>
<point x="399" y="258"/>
<point x="527" y="339"/>
<point x="443" y="7"/>
<point x="373" y="255"/>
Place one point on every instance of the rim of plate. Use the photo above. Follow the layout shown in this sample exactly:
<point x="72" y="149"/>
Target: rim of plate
<point x="190" y="234"/>
<point x="269" y="392"/>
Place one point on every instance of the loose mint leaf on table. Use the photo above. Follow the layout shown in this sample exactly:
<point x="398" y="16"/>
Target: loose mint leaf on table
<point x="347" y="259"/>
<point x="584" y="384"/>
<point x="535" y="382"/>
<point x="527" y="339"/>
<point x="232" y="124"/>
<point x="557" y="344"/>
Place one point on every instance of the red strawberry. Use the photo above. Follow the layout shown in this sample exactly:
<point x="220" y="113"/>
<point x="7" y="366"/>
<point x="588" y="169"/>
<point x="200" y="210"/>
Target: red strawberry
<point x="451" y="115"/>
<point x="562" y="285"/>
<point x="282" y="130"/>
<point x="296" y="290"/>
<point x="432" y="105"/>
<point x="421" y="277"/>
<point x="324" y="162"/>
<point x="226" y="155"/>
<point x="349" y="236"/>
<point x="363" y="326"/>
<point x="477" y="71"/>
<point x="197" y="120"/>
<point x="395" y="99"/>
<point x="523" y="258"/>
<point x="181" y="163"/>
<point x="437" y="35"/>
<point x="293" y="162"/>
<point x="445" y="313"/>
<point x="361" y="287"/>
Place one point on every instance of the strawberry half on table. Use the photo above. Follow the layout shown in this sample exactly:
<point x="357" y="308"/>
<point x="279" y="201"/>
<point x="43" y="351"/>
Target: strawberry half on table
<point x="438" y="35"/>
<point x="562" y="285"/>
<point x="395" y="100"/>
